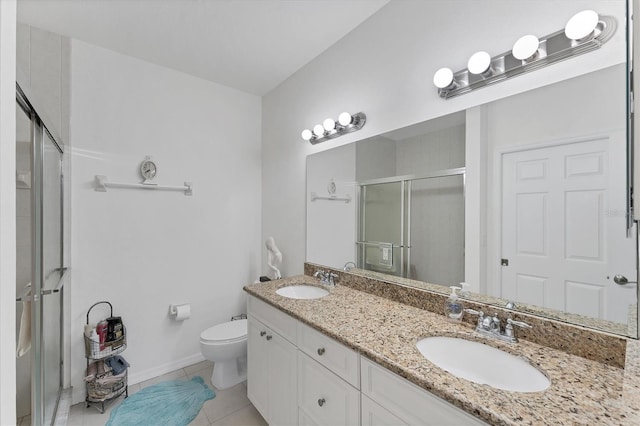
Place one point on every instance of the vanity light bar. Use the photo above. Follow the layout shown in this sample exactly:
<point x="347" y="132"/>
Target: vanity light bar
<point x="331" y="129"/>
<point x="584" y="32"/>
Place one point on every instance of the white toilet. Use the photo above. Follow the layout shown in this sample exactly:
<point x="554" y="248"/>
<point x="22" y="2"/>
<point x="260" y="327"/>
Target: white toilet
<point x="226" y="345"/>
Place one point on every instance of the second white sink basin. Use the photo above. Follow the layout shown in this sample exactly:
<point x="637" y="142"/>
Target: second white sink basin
<point x="302" y="292"/>
<point x="483" y="364"/>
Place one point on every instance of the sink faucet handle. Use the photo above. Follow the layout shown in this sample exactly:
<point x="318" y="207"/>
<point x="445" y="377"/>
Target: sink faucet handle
<point x="510" y="332"/>
<point x="518" y="323"/>
<point x="319" y="273"/>
<point x="332" y="277"/>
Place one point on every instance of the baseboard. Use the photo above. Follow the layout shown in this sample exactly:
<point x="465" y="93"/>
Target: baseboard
<point x="150" y="373"/>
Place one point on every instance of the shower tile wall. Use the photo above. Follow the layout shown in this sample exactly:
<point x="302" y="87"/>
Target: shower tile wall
<point x="440" y="204"/>
<point x="443" y="149"/>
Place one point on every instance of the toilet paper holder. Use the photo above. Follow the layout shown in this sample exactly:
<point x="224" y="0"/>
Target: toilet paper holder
<point x="180" y="312"/>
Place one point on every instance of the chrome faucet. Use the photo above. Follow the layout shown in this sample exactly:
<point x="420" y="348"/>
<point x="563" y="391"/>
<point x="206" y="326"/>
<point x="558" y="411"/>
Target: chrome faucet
<point x="347" y="266"/>
<point x="319" y="274"/>
<point x="326" y="277"/>
<point x="492" y="326"/>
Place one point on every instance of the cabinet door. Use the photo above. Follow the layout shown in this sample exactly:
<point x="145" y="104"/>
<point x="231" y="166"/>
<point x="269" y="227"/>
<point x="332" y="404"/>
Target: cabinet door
<point x="257" y="367"/>
<point x="375" y="415"/>
<point x="282" y="380"/>
<point x="323" y="397"/>
<point x="409" y="402"/>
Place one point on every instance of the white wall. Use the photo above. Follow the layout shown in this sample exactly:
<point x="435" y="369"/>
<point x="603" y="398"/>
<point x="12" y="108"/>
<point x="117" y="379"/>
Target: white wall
<point x="143" y="250"/>
<point x="7" y="211"/>
<point x="384" y="68"/>
<point x="331" y="225"/>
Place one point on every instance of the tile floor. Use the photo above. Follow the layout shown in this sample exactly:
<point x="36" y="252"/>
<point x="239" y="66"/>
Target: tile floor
<point x="230" y="407"/>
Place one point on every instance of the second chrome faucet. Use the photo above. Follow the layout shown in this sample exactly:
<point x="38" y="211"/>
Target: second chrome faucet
<point x="492" y="326"/>
<point x="328" y="277"/>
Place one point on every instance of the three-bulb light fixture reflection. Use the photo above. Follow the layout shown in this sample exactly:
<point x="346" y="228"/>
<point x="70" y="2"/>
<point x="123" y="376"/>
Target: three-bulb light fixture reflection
<point x="584" y="32"/>
<point x="330" y="129"/>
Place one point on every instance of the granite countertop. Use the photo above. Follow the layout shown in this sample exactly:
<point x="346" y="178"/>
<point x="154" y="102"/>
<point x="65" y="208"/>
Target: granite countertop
<point x="582" y="391"/>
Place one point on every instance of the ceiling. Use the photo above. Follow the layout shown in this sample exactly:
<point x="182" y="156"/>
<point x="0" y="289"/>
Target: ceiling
<point x="250" y="45"/>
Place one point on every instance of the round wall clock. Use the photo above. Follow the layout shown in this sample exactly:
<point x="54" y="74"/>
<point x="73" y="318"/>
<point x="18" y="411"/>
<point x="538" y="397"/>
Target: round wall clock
<point x="148" y="169"/>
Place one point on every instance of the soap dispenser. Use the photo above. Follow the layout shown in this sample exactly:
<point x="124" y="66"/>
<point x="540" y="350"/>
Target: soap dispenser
<point x="465" y="289"/>
<point x="453" y="308"/>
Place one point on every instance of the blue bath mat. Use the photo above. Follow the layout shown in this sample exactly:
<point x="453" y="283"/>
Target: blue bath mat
<point x="174" y="403"/>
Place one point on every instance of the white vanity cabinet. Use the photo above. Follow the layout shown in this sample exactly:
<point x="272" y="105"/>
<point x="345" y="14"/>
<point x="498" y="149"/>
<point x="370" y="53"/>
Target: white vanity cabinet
<point x="271" y="363"/>
<point x="393" y="397"/>
<point x="298" y="375"/>
<point x="328" y="380"/>
<point x="373" y="414"/>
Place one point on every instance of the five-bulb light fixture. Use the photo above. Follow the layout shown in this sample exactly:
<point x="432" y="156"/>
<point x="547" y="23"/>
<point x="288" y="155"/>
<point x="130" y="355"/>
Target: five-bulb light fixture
<point x="584" y="32"/>
<point x="330" y="129"/>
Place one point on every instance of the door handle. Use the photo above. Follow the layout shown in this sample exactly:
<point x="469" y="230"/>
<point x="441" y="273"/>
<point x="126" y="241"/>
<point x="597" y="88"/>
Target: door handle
<point x="622" y="280"/>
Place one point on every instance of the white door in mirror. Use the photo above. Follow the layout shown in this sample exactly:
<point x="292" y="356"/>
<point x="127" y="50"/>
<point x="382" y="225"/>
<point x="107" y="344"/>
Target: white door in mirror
<point x="563" y="228"/>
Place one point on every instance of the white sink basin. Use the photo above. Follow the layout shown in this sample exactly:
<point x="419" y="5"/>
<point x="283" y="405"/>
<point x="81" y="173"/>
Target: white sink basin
<point x="483" y="364"/>
<point x="302" y="292"/>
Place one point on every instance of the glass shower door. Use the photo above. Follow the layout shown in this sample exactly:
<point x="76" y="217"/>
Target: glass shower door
<point x="413" y="226"/>
<point x="53" y="276"/>
<point x="381" y="240"/>
<point x="47" y="274"/>
<point x="436" y="230"/>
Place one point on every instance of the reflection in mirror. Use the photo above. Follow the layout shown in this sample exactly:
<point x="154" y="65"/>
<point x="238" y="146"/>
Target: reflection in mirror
<point x="552" y="210"/>
<point x="411" y="224"/>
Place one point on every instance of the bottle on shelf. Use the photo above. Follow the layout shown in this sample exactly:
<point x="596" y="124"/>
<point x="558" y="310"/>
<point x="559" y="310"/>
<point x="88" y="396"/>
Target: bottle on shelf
<point x="95" y="343"/>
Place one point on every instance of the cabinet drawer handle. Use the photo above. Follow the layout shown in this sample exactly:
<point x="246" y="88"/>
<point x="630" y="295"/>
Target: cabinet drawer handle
<point x="269" y="337"/>
<point x="321" y="402"/>
<point x="320" y="351"/>
<point x="262" y="333"/>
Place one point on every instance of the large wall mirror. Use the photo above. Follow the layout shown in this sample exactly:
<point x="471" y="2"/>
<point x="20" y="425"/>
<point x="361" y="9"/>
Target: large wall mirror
<point x="548" y="206"/>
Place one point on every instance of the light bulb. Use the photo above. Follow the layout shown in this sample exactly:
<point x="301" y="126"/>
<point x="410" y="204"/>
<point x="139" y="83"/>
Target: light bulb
<point x="443" y="78"/>
<point x="344" y="118"/>
<point x="318" y="130"/>
<point x="581" y="24"/>
<point x="306" y="134"/>
<point x="329" y="124"/>
<point x="525" y="47"/>
<point x="479" y="62"/>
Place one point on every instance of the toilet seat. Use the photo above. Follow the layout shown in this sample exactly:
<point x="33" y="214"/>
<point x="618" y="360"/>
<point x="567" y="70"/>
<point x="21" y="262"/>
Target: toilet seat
<point x="226" y="332"/>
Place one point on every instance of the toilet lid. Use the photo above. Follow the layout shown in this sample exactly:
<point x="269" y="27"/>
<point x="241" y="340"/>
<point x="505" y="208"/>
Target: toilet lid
<point x="231" y="330"/>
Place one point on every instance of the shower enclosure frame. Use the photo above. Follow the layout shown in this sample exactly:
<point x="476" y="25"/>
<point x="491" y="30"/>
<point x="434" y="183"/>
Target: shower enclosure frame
<point x="39" y="132"/>
<point x="405" y="213"/>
